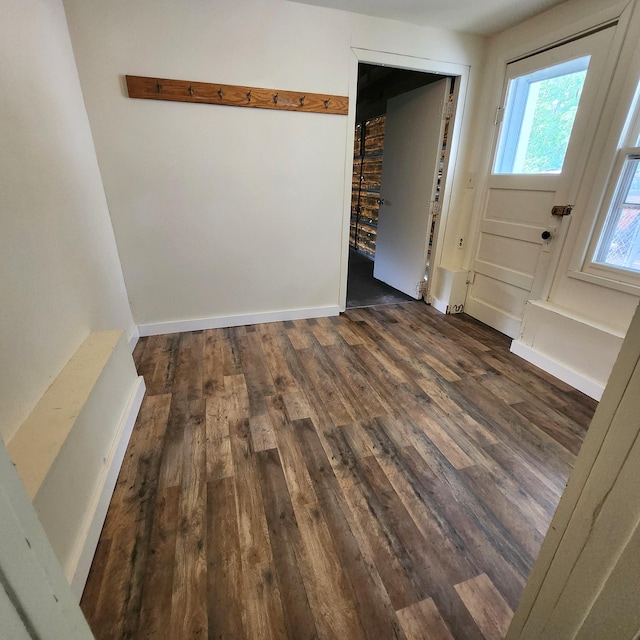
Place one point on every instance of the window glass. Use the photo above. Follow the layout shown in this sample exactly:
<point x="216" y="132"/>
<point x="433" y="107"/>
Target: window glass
<point x="619" y="244"/>
<point x="540" y="111"/>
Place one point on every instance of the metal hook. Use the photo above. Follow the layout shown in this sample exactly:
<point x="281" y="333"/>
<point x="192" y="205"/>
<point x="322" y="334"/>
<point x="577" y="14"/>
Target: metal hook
<point x="220" y="93"/>
<point x="275" y="99"/>
<point x="326" y="103"/>
<point x="191" y="91"/>
<point x="159" y="87"/>
<point x="248" y="96"/>
<point x="302" y="101"/>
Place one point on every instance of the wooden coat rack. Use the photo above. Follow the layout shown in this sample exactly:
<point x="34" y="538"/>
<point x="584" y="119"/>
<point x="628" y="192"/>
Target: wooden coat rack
<point x="234" y="96"/>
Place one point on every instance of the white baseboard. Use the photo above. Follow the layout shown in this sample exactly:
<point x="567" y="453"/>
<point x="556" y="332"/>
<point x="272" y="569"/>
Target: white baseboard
<point x="219" y="322"/>
<point x="578" y="381"/>
<point x="134" y="336"/>
<point x="88" y="539"/>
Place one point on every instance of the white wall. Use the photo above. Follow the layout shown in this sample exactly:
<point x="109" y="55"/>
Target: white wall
<point x="577" y="331"/>
<point x="221" y="212"/>
<point x="60" y="276"/>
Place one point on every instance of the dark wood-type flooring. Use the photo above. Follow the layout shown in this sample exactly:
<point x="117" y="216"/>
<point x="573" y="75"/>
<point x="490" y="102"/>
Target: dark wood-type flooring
<point x="389" y="473"/>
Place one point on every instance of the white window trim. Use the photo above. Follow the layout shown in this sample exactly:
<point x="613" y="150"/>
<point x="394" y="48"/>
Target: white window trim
<point x="616" y="275"/>
<point x="582" y="266"/>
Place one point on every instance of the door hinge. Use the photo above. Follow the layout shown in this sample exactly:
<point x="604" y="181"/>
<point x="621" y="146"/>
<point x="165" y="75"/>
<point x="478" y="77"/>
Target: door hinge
<point x="471" y="276"/>
<point x="447" y="111"/>
<point x="422" y="288"/>
<point x="499" y="114"/>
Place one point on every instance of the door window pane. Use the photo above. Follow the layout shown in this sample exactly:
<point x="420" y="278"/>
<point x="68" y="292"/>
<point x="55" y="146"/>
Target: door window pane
<point x="619" y="244"/>
<point x="540" y="111"/>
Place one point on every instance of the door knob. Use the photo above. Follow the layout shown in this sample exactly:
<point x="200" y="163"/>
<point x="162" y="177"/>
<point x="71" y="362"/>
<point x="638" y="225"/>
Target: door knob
<point x="380" y="200"/>
<point x="545" y="235"/>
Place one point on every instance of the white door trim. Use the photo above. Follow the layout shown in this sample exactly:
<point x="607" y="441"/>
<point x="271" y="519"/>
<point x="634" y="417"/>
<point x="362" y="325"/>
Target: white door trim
<point x="400" y="61"/>
<point x="579" y="585"/>
<point x="29" y="571"/>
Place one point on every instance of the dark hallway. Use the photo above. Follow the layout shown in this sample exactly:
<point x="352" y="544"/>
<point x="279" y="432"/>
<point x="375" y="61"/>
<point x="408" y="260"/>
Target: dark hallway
<point x="363" y="290"/>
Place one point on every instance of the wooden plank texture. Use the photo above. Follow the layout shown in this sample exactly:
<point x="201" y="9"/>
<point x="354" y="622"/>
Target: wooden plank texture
<point x="234" y="95"/>
<point x="386" y="474"/>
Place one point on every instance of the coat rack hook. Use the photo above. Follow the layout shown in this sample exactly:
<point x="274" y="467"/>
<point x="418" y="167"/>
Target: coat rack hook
<point x="326" y="103"/>
<point x="220" y="93"/>
<point x="275" y="99"/>
<point x="248" y="96"/>
<point x="191" y="91"/>
<point x="302" y="101"/>
<point x="158" y="87"/>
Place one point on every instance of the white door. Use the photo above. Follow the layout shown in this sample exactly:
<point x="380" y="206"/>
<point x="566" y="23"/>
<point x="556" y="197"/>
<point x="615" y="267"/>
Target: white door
<point x="549" y="109"/>
<point x="412" y="150"/>
<point x="35" y="598"/>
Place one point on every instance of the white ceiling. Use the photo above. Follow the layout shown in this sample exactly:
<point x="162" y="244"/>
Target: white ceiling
<point x="483" y="17"/>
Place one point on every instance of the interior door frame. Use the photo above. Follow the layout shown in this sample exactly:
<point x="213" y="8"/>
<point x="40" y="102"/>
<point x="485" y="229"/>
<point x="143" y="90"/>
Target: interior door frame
<point x="399" y="61"/>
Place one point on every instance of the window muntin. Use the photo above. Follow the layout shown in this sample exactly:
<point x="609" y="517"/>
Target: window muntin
<point x="539" y="115"/>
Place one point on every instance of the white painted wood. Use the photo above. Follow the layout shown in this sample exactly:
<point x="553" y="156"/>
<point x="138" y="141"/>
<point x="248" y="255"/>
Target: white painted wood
<point x="578" y="381"/>
<point x="85" y="549"/>
<point x="585" y="565"/>
<point x="412" y="148"/>
<point x="572" y="347"/>
<point x="134" y="336"/>
<point x="12" y="625"/>
<point x="29" y="569"/>
<point x="492" y="315"/>
<point x="39" y="440"/>
<point x="178" y="326"/>
<point x="518" y="207"/>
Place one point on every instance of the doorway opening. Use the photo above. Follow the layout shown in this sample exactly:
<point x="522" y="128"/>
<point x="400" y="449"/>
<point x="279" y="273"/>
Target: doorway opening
<point x="378" y="277"/>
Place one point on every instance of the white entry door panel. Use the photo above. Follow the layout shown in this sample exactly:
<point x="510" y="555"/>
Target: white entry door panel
<point x="537" y="162"/>
<point x="412" y="150"/>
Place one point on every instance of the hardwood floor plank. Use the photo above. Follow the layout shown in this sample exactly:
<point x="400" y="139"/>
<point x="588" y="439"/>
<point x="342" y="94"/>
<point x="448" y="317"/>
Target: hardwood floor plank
<point x="354" y="376"/>
<point x="485" y="541"/>
<point x="345" y="329"/>
<point x="374" y="608"/>
<point x="218" y="452"/>
<point x="386" y="473"/>
<point x="287" y="547"/>
<point x="486" y="605"/>
<point x="262" y="433"/>
<point x="256" y="372"/>
<point x="422" y="621"/>
<point x="553" y="423"/>
<point x="508" y="515"/>
<point x="431" y="561"/>
<point x="482" y="406"/>
<point x="262" y="613"/>
<point x="449" y="509"/>
<point x="231" y="364"/>
<point x="327" y="587"/>
<point x="158" y="362"/>
<point x="324" y="385"/>
<point x="212" y="363"/>
<point x="187" y="382"/>
<point x="275" y="355"/>
<point x="189" y="597"/>
<point x="155" y="608"/>
<point x="224" y="566"/>
<point x="402" y="581"/>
